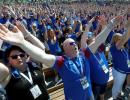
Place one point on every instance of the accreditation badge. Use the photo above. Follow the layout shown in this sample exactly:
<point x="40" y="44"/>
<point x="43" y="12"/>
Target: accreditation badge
<point x="128" y="63"/>
<point x="105" y="69"/>
<point x="84" y="82"/>
<point x="36" y="92"/>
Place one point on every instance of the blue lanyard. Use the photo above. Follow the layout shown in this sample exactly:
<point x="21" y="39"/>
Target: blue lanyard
<point x="80" y="66"/>
<point x="99" y="58"/>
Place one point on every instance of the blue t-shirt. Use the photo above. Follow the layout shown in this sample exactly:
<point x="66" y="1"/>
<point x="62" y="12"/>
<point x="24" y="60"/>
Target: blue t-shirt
<point x="3" y="20"/>
<point x="99" y="71"/>
<point x="72" y="36"/>
<point x="110" y="36"/>
<point x="95" y="25"/>
<point x="129" y="43"/>
<point x="119" y="59"/>
<point x="77" y="28"/>
<point x="70" y="72"/>
<point x="54" y="48"/>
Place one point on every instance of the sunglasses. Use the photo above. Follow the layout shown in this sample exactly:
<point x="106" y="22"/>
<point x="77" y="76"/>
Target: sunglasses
<point x="16" y="56"/>
<point x="72" y="43"/>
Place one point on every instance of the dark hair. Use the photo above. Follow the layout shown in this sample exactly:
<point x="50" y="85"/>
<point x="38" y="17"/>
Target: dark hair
<point x="8" y="50"/>
<point x="2" y="54"/>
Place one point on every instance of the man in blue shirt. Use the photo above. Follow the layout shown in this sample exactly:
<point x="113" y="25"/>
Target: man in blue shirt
<point x="77" y="76"/>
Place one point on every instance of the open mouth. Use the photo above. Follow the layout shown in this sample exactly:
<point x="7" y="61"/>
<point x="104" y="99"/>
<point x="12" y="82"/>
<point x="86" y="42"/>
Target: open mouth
<point x="75" y="48"/>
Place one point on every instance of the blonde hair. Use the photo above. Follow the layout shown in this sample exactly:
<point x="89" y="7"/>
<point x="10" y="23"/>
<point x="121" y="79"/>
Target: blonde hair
<point x="115" y="37"/>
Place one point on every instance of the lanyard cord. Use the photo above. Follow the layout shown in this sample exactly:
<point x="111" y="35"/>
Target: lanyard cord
<point x="80" y="65"/>
<point x="99" y="58"/>
<point x="29" y="79"/>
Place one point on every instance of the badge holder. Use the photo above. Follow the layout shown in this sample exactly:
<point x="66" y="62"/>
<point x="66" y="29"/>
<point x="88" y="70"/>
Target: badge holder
<point x="84" y="83"/>
<point x="105" y="69"/>
<point x="36" y="92"/>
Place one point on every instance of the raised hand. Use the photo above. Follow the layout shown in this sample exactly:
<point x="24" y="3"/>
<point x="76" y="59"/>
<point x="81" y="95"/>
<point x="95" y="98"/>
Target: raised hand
<point x="22" y="28"/>
<point x="13" y="37"/>
<point x="116" y="20"/>
<point x="102" y="20"/>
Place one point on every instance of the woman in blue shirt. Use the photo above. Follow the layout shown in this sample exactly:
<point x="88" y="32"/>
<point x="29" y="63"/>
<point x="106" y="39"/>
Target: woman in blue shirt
<point x="121" y="61"/>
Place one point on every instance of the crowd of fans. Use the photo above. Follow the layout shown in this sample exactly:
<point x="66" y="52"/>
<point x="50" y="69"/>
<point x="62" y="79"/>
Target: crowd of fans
<point x="72" y="40"/>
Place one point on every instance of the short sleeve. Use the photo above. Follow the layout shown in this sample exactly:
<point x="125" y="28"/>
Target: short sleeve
<point x="87" y="52"/>
<point x="59" y="62"/>
<point x="101" y="48"/>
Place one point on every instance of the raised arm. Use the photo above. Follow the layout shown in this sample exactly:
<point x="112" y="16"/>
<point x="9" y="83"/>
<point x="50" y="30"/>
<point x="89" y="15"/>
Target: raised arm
<point x="28" y="36"/>
<point x="125" y="36"/>
<point x="84" y="36"/>
<point x="17" y="38"/>
<point x="10" y="10"/>
<point x="101" y="38"/>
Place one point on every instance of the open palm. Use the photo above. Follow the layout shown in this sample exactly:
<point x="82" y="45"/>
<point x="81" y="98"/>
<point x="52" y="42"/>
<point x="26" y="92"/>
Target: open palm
<point x="22" y="28"/>
<point x="13" y="37"/>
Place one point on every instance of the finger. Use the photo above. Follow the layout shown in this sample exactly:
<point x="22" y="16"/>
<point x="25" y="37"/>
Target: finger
<point x="5" y="25"/>
<point x="2" y="32"/>
<point x="19" y="25"/>
<point x="3" y="37"/>
<point x="15" y="29"/>
<point x="5" y="29"/>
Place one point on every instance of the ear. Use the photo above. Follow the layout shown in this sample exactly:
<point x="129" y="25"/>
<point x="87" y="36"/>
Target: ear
<point x="28" y="58"/>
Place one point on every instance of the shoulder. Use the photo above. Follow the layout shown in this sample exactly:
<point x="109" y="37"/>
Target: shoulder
<point x="33" y="65"/>
<point x="60" y="60"/>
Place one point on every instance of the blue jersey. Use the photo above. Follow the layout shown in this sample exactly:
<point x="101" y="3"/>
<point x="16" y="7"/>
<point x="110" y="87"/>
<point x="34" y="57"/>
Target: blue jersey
<point x="71" y="72"/>
<point x="3" y="20"/>
<point x="98" y="68"/>
<point x="54" y="47"/>
<point x="120" y="59"/>
<point x="72" y="36"/>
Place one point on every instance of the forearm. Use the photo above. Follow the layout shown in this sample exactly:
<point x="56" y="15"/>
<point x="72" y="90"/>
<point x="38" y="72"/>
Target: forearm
<point x="101" y="38"/>
<point x="83" y="41"/>
<point x="90" y="23"/>
<point x="84" y="36"/>
<point x="37" y="53"/>
<point x="35" y="41"/>
<point x="124" y="39"/>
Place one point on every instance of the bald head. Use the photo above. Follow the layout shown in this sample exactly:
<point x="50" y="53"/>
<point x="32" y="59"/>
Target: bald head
<point x="67" y="41"/>
<point x="70" y="48"/>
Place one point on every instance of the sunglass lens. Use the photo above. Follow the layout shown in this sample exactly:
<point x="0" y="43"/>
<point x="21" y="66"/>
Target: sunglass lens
<point x="72" y="43"/>
<point x="22" y="55"/>
<point x="14" y="57"/>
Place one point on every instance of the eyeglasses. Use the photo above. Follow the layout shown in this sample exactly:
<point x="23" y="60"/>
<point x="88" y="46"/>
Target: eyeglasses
<point x="72" y="43"/>
<point x="16" y="56"/>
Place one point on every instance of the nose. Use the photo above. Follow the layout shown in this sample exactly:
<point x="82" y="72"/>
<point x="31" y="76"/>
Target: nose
<point x="18" y="57"/>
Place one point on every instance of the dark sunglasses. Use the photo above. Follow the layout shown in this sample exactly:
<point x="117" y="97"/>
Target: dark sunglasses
<point x="16" y="56"/>
<point x="72" y="43"/>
